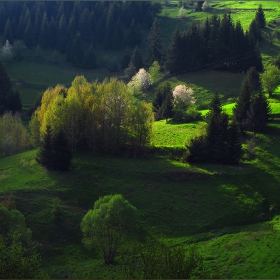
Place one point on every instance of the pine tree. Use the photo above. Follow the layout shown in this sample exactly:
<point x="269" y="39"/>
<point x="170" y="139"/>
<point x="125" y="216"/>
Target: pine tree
<point x="61" y="152"/>
<point x="260" y="17"/>
<point x="8" y="33"/>
<point x="136" y="59"/>
<point x="258" y="114"/>
<point x="134" y="35"/>
<point x="43" y="39"/>
<point x="175" y="55"/>
<point x="254" y="80"/>
<point x="242" y="106"/>
<point x="29" y="35"/>
<point x="234" y="145"/>
<point x="62" y="39"/>
<point x="6" y="92"/>
<point x="154" y="43"/>
<point x="76" y="55"/>
<point x="44" y="155"/>
<point x="89" y="59"/>
<point x="254" y="31"/>
<point x="163" y="102"/>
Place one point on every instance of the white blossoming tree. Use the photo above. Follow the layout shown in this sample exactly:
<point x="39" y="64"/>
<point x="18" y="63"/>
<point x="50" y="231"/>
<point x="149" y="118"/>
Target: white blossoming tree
<point x="183" y="96"/>
<point x="140" y="82"/>
<point x="7" y="51"/>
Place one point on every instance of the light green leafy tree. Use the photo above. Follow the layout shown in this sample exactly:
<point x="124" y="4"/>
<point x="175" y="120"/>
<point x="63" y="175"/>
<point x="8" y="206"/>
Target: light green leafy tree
<point x="270" y="79"/>
<point x="107" y="224"/>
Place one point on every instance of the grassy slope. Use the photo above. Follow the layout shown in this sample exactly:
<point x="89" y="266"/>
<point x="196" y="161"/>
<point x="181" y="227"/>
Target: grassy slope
<point x="196" y="209"/>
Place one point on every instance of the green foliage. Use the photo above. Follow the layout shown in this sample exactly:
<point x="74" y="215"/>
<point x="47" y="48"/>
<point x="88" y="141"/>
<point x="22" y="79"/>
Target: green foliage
<point x="270" y="79"/>
<point x="155" y="260"/>
<point x="18" y="255"/>
<point x="106" y="226"/>
<point x="155" y="72"/>
<point x="14" y="137"/>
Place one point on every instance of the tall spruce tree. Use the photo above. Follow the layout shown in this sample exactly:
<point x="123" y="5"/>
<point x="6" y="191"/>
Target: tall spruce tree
<point x="136" y="59"/>
<point x="61" y="152"/>
<point x="234" y="145"/>
<point x="174" y="60"/>
<point x="44" y="155"/>
<point x="258" y="114"/>
<point x="260" y="17"/>
<point x="154" y="43"/>
<point x="9" y="100"/>
<point x="242" y="106"/>
<point x="254" y="80"/>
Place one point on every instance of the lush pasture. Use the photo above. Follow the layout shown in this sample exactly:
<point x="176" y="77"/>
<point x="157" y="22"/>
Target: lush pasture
<point x="175" y="201"/>
<point x="230" y="212"/>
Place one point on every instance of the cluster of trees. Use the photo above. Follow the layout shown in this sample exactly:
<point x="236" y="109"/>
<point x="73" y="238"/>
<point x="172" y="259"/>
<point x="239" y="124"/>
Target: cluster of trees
<point x="114" y="24"/>
<point x="218" y="43"/>
<point x="14" y="137"/>
<point x="55" y="153"/>
<point x="222" y="141"/>
<point x="18" y="255"/>
<point x="101" y="117"/>
<point x="176" y="103"/>
<point x="252" y="109"/>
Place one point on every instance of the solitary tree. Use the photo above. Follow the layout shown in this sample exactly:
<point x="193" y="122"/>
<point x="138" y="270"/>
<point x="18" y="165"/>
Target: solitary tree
<point x="106" y="225"/>
<point x="270" y="79"/>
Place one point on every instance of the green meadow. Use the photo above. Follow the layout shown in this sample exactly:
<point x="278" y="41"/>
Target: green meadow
<point x="231" y="213"/>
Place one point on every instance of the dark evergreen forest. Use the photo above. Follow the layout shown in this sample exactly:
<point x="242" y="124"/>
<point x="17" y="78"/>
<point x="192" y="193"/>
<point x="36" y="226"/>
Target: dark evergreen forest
<point x="77" y="28"/>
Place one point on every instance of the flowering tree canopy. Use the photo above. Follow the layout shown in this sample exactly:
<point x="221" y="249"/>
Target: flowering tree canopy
<point x="141" y="81"/>
<point x="182" y="94"/>
<point x="7" y="51"/>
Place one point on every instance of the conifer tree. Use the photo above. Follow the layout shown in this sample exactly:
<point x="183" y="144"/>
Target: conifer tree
<point x="154" y="43"/>
<point x="260" y="17"/>
<point x="89" y="59"/>
<point x="29" y="35"/>
<point x="44" y="155"/>
<point x="134" y="35"/>
<point x="254" y="80"/>
<point x="234" y="145"/>
<point x="136" y="59"/>
<point x="61" y="152"/>
<point x="43" y="39"/>
<point x="76" y="55"/>
<point x="242" y="106"/>
<point x="258" y="114"/>
<point x="8" y="33"/>
<point x="254" y="31"/>
<point x="9" y="100"/>
<point x="174" y="61"/>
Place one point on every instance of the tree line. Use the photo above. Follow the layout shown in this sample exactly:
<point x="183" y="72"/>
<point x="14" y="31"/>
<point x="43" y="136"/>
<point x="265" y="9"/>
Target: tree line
<point x="222" y="140"/>
<point x="217" y="43"/>
<point x="62" y="25"/>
